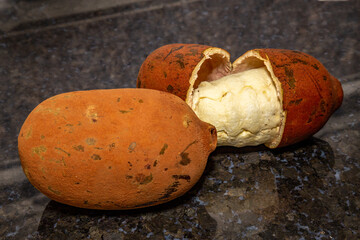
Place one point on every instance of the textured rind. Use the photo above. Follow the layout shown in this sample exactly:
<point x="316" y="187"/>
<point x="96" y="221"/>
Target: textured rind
<point x="114" y="149"/>
<point x="310" y="93"/>
<point x="170" y="67"/>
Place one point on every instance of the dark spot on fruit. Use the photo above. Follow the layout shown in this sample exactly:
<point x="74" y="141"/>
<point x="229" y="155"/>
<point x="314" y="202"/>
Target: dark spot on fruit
<point x="163" y="149"/>
<point x="185" y="160"/>
<point x="77" y="183"/>
<point x="142" y="179"/>
<point x="315" y="66"/>
<point x="128" y="177"/>
<point x="295" y="102"/>
<point x="132" y="147"/>
<point x="150" y="66"/>
<point x="94" y="120"/>
<point x="96" y="157"/>
<point x="181" y="63"/>
<point x="155" y="163"/>
<point x="141" y="101"/>
<point x="39" y="151"/>
<point x="290" y="77"/>
<point x="170" y="190"/>
<point x="324" y="78"/>
<point x="311" y="116"/>
<point x="124" y="111"/>
<point x="183" y="177"/>
<point x="165" y="74"/>
<point x="86" y="202"/>
<point x="170" y="88"/>
<point x="165" y="169"/>
<point x="111" y="146"/>
<point x="69" y="128"/>
<point x="109" y="167"/>
<point x="62" y="150"/>
<point x="147" y="166"/>
<point x="173" y="50"/>
<point x="79" y="148"/>
<point x="118" y="99"/>
<point x="322" y="106"/>
<point x="298" y="60"/>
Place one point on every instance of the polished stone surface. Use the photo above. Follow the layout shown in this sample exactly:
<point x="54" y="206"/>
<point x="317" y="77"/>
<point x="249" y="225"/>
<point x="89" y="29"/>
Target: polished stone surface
<point x="306" y="191"/>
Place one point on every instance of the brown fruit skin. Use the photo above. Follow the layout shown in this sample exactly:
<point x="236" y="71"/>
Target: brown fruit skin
<point x="310" y="93"/>
<point x="114" y="149"/>
<point x="171" y="66"/>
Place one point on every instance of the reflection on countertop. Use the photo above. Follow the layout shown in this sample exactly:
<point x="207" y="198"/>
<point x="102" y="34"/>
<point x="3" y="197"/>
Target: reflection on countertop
<point x="244" y="193"/>
<point x="306" y="191"/>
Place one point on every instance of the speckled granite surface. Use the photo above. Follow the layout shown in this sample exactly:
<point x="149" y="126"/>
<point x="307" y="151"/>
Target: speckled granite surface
<point x="306" y="191"/>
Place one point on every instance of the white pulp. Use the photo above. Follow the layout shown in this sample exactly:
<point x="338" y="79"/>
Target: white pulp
<point x="244" y="107"/>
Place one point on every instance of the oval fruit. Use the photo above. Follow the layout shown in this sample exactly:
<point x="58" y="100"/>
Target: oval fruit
<point x="275" y="97"/>
<point x="114" y="149"/>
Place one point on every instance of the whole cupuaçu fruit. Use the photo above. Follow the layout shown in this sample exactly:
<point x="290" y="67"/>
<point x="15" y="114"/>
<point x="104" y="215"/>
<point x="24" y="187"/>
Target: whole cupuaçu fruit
<point x="114" y="149"/>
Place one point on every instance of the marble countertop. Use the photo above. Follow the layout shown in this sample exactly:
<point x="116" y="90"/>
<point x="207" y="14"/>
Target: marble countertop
<point x="310" y="190"/>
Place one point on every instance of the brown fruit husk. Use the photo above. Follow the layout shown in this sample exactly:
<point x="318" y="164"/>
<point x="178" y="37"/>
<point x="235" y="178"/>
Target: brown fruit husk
<point x="309" y="94"/>
<point x="114" y="149"/>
